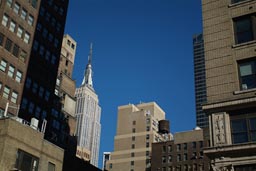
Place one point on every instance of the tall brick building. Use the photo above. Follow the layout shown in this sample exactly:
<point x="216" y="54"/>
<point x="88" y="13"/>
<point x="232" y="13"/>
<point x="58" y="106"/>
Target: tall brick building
<point x="230" y="43"/>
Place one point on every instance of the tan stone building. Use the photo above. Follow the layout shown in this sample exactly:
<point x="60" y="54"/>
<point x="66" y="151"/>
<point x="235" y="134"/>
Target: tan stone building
<point x="24" y="148"/>
<point x="137" y="128"/>
<point x="230" y="43"/>
<point x="65" y="85"/>
<point x="183" y="153"/>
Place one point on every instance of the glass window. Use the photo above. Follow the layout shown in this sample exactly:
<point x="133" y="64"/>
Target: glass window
<point x="164" y="149"/>
<point x="50" y="37"/>
<point x="132" y="163"/>
<point x="133" y="146"/>
<point x="10" y="71"/>
<point x="26" y="37"/>
<point x="133" y="130"/>
<point x="178" y="157"/>
<point x="0" y="86"/>
<point x="34" y="3"/>
<point x="39" y="26"/>
<point x="61" y="11"/>
<point x="19" y="32"/>
<point x="12" y="26"/>
<point x="243" y="27"/>
<point x="23" y="55"/>
<point x="194" y="145"/>
<point x="133" y="138"/>
<point x="185" y="146"/>
<point x="8" y="45"/>
<point x="51" y="166"/>
<point x="18" y="76"/>
<point x="239" y="131"/>
<point x="30" y="20"/>
<point x="41" y="50"/>
<point x="24" y="103"/>
<point x="28" y="82"/>
<point x="16" y="8"/>
<point x="5" y="20"/>
<point x="3" y="65"/>
<point x="6" y="92"/>
<point x="236" y="1"/>
<point x="185" y="156"/>
<point x="56" y="42"/>
<point x="35" y="45"/>
<point x="9" y="3"/>
<point x="132" y="154"/>
<point x="178" y="147"/>
<point x="15" y="50"/>
<point x="47" y="16"/>
<point x="169" y="148"/>
<point x="14" y="97"/>
<point x="31" y="107"/>
<point x="169" y="159"/>
<point x="53" y="21"/>
<point x="45" y="32"/>
<point x="147" y="144"/>
<point x="23" y="14"/>
<point x="134" y="122"/>
<point x="26" y="161"/>
<point x="34" y="88"/>
<point x="47" y="55"/>
<point x="41" y="92"/>
<point x="163" y="168"/>
<point x="1" y="39"/>
<point x="247" y="74"/>
<point x="47" y="95"/>
<point x="53" y="60"/>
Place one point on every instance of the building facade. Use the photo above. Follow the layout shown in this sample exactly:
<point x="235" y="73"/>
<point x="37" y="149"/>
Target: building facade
<point x="229" y="40"/>
<point x="17" y="30"/>
<point x="65" y="85"/>
<point x="106" y="157"/>
<point x="183" y="153"/>
<point x="137" y="129"/>
<point x="18" y="152"/>
<point x="88" y="113"/>
<point x="200" y="82"/>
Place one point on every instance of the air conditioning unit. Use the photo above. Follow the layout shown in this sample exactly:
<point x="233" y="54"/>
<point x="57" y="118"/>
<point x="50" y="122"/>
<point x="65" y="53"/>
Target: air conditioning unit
<point x="34" y="123"/>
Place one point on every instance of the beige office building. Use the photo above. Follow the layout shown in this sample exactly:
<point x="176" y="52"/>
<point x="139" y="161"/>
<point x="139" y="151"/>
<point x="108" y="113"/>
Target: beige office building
<point x="137" y="128"/>
<point x="26" y="149"/>
<point x="229" y="28"/>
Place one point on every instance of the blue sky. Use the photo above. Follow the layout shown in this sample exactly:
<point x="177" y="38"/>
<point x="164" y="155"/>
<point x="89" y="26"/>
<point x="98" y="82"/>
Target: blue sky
<point x="142" y="52"/>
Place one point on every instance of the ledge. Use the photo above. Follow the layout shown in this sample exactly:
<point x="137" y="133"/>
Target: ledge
<point x="244" y="91"/>
<point x="238" y="3"/>
<point x="243" y="44"/>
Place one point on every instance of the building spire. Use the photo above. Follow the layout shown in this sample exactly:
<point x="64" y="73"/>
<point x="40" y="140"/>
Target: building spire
<point x="87" y="81"/>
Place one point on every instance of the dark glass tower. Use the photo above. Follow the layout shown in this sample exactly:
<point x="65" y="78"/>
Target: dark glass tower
<point x="200" y="82"/>
<point x="38" y="99"/>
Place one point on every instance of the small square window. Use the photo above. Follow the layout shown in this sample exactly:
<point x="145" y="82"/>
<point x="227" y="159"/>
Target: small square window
<point x="247" y="73"/>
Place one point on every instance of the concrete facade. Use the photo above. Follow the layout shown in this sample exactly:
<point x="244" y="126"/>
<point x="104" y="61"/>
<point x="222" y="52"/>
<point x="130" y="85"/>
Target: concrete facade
<point x="27" y="140"/>
<point x="137" y="128"/>
<point x="229" y="39"/>
<point x="183" y="153"/>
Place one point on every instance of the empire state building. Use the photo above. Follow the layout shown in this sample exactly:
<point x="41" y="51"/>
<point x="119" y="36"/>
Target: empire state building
<point x="88" y="113"/>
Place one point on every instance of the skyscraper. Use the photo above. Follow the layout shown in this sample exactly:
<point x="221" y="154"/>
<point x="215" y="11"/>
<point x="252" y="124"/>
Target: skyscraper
<point x="200" y="82"/>
<point x="88" y="113"/>
<point x="230" y="43"/>
<point x="137" y="127"/>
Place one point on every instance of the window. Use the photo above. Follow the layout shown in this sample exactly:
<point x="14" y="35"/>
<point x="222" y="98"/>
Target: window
<point x="163" y="159"/>
<point x="133" y="130"/>
<point x="133" y="138"/>
<point x="51" y="166"/>
<point x="10" y="71"/>
<point x="41" y="92"/>
<point x="24" y="103"/>
<point x="148" y="121"/>
<point x="26" y="37"/>
<point x="132" y="154"/>
<point x="14" y="97"/>
<point x="201" y="143"/>
<point x="45" y="32"/>
<point x="185" y="146"/>
<point x="34" y="3"/>
<point x="0" y="86"/>
<point x="12" y="26"/>
<point x="3" y="65"/>
<point x="26" y="161"/>
<point x="28" y="82"/>
<point x="243" y="28"/>
<point x="9" y="3"/>
<point x="31" y="107"/>
<point x="178" y="157"/>
<point x="147" y="153"/>
<point x="6" y="92"/>
<point x="163" y="168"/>
<point x="236" y="1"/>
<point x="15" y="50"/>
<point x="178" y="147"/>
<point x="53" y="60"/>
<point x="132" y="163"/>
<point x="19" y="32"/>
<point x="185" y="156"/>
<point x="23" y="55"/>
<point x="249" y="167"/>
<point x="169" y="159"/>
<point x="243" y="130"/>
<point x="133" y="122"/>
<point x="5" y="20"/>
<point x="1" y="39"/>
<point x="194" y="155"/>
<point x="47" y="55"/>
<point x="56" y="42"/>
<point x="147" y="136"/>
<point x="39" y="26"/>
<point x="23" y="14"/>
<point x="170" y="168"/>
<point x="34" y="88"/>
<point x="147" y="144"/>
<point x="133" y="146"/>
<point x="164" y="149"/>
<point x="41" y="50"/>
<point x="30" y="20"/>
<point x="194" y="145"/>
<point x="18" y="76"/>
<point x="8" y="45"/>
<point x="148" y="128"/>
<point x="16" y="8"/>
<point x="169" y="148"/>
<point x="247" y="73"/>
